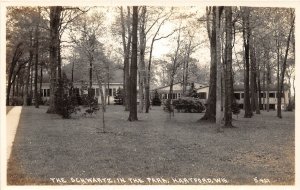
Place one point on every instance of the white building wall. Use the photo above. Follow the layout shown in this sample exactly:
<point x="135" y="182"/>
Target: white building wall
<point x="113" y="86"/>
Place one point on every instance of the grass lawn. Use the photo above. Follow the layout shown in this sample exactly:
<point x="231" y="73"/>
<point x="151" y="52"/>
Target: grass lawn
<point x="156" y="146"/>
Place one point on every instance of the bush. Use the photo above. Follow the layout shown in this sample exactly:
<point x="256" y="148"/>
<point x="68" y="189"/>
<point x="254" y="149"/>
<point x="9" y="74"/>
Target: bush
<point x="17" y="101"/>
<point x="67" y="106"/>
<point x="119" y="97"/>
<point x="167" y="104"/>
<point x="156" y="101"/>
<point x="187" y="105"/>
<point x="88" y="101"/>
<point x="290" y="107"/>
<point x="235" y="108"/>
<point x="91" y="103"/>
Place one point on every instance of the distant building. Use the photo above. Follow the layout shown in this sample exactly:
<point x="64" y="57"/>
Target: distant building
<point x="201" y="89"/>
<point x="239" y="96"/>
<point x="203" y="93"/>
<point x="82" y="88"/>
<point x="177" y="90"/>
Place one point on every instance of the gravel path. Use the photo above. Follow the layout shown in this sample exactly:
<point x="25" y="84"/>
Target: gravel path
<point x="12" y="121"/>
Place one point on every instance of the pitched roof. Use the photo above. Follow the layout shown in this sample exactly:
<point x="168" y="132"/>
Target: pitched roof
<point x="202" y="85"/>
<point x="272" y="87"/>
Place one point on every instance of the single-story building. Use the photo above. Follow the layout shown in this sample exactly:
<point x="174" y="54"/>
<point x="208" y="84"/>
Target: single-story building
<point x="81" y="88"/>
<point x="203" y="93"/>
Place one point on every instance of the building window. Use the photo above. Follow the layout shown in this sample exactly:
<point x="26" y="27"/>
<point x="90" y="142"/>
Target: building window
<point x="242" y="95"/>
<point x="272" y="95"/>
<point x="114" y="91"/>
<point x="241" y="106"/>
<point x="48" y="93"/>
<point x="76" y="91"/>
<point x="272" y="106"/>
<point x="202" y="95"/>
<point x="110" y="92"/>
<point x="237" y="96"/>
<point x="91" y="92"/>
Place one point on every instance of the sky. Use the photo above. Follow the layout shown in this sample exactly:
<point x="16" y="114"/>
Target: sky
<point x="161" y="47"/>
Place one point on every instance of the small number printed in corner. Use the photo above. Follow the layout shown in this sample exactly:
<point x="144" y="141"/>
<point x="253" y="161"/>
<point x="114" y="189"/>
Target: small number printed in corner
<point x="261" y="180"/>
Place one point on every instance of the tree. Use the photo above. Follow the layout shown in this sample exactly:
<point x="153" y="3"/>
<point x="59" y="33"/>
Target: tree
<point x="210" y="113"/>
<point x="142" y="67"/>
<point x="156" y="100"/>
<point x="126" y="49"/>
<point x="154" y="38"/>
<point x="133" y="68"/>
<point x="246" y="39"/>
<point x="253" y="83"/>
<point x="175" y="65"/>
<point x="219" y="115"/>
<point x="87" y="45"/>
<point x="228" y="68"/>
<point x="281" y="85"/>
<point x="21" y="24"/>
<point x="60" y="17"/>
<point x="100" y="82"/>
<point x="36" y="95"/>
<point x="55" y="21"/>
<point x="13" y="70"/>
<point x="119" y="97"/>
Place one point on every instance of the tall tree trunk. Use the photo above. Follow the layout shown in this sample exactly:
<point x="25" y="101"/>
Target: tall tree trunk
<point x="102" y="99"/>
<point x="228" y="67"/>
<point x="264" y="81"/>
<point x="60" y="89"/>
<point x="55" y="20"/>
<point x="147" y="86"/>
<point x="186" y="65"/>
<point x="268" y="85"/>
<point x="254" y="96"/>
<point x="252" y="76"/>
<point x="210" y="113"/>
<point x="278" y="76"/>
<point x="17" y="85"/>
<point x="184" y="82"/>
<point x="133" y="68"/>
<point x="219" y="112"/>
<point x="17" y="55"/>
<point x="36" y="95"/>
<point x="91" y="73"/>
<point x="246" y="37"/>
<point x="289" y="75"/>
<point x="31" y="82"/>
<point x="258" y="86"/>
<point x="108" y="86"/>
<point x="284" y="64"/>
<point x="142" y="68"/>
<point x="294" y="90"/>
<point x="14" y="89"/>
<point x="27" y="75"/>
<point x="41" y="80"/>
<point x="174" y="68"/>
<point x="126" y="48"/>
<point x="72" y="74"/>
